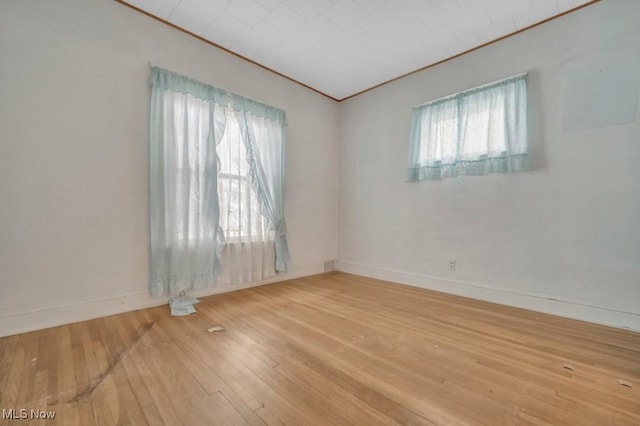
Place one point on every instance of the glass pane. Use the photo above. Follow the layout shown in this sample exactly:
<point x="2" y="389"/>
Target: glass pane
<point x="240" y="216"/>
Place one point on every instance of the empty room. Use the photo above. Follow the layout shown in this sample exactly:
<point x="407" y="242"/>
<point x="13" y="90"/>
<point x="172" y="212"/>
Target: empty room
<point x="315" y="212"/>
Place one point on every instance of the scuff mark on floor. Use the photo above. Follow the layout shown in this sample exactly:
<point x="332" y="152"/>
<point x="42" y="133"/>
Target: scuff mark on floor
<point x="89" y="389"/>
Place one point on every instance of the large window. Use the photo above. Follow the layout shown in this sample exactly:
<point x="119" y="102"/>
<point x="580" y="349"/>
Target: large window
<point x="240" y="218"/>
<point x="216" y="186"/>
<point x="475" y="132"/>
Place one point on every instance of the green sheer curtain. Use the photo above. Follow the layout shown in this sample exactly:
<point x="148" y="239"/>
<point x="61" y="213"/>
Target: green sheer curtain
<point x="187" y="122"/>
<point x="263" y="136"/>
<point x="475" y="132"/>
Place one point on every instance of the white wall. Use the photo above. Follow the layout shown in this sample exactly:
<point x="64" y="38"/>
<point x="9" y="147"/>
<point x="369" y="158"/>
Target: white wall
<point x="73" y="156"/>
<point x="563" y="238"/>
<point x="73" y="170"/>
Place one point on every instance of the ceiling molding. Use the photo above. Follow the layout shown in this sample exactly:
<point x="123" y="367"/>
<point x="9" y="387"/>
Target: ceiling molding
<point x="251" y="61"/>
<point x="473" y="49"/>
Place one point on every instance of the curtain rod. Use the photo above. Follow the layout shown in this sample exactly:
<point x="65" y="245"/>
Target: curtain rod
<point x="153" y="64"/>
<point x="472" y="89"/>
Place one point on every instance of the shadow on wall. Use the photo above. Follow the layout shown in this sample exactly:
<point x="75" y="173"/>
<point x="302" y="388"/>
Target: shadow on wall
<point x="536" y="123"/>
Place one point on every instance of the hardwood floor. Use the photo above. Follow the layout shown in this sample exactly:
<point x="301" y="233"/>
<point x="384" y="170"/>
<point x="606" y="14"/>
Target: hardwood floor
<point x="327" y="349"/>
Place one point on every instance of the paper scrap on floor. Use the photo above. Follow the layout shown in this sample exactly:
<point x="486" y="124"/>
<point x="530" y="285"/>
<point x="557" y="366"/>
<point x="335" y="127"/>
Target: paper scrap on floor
<point x="182" y="305"/>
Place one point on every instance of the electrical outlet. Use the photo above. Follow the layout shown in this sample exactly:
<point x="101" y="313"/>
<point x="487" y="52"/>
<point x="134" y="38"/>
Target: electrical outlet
<point x="452" y="265"/>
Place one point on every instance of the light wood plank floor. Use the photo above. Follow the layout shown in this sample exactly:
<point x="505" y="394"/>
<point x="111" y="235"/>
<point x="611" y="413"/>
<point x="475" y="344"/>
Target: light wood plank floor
<point x="327" y="349"/>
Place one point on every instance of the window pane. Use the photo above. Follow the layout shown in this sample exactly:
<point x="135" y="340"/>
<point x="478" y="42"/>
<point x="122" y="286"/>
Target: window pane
<point x="240" y="216"/>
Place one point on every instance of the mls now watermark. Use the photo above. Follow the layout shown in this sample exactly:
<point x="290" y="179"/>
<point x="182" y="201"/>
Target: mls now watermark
<point x="23" y="413"/>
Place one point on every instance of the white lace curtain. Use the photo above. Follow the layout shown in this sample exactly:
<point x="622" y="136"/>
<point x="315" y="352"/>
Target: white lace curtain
<point x="249" y="252"/>
<point x="216" y="186"/>
<point x="479" y="131"/>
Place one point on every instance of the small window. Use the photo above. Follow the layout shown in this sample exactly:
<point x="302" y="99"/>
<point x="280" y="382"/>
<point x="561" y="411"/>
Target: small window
<point x="475" y="132"/>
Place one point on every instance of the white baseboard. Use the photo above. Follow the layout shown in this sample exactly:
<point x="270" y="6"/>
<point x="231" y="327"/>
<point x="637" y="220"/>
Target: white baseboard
<point x="534" y="302"/>
<point x="22" y="322"/>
